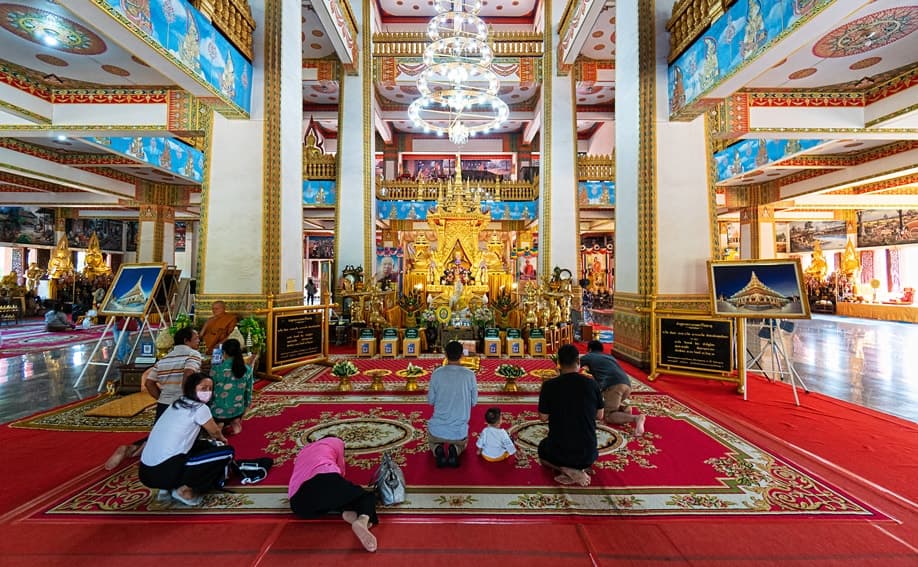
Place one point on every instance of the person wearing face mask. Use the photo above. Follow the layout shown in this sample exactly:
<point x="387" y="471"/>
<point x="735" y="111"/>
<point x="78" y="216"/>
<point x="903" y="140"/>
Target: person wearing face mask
<point x="174" y="460"/>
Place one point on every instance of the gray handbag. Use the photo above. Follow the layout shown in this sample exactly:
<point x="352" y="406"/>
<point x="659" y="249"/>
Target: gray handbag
<point x="389" y="481"/>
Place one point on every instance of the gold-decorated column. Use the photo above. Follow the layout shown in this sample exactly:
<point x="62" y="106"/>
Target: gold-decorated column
<point x="664" y="232"/>
<point x="251" y="240"/>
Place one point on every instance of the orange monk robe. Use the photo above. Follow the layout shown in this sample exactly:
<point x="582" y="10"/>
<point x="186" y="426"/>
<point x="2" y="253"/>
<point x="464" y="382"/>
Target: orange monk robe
<point x="217" y="329"/>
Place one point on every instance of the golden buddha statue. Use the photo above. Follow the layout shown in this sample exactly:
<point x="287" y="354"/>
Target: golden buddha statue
<point x="850" y="261"/>
<point x="95" y="262"/>
<point x="494" y="257"/>
<point x="10" y="281"/>
<point x="33" y="274"/>
<point x="60" y="263"/>
<point x="818" y="267"/>
<point x="421" y="252"/>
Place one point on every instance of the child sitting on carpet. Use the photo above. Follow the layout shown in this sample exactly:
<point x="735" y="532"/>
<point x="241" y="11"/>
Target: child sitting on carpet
<point x="494" y="444"/>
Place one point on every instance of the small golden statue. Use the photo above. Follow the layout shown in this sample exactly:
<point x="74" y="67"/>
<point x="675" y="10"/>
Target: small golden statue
<point x="10" y="281"/>
<point x="494" y="255"/>
<point x="60" y="264"/>
<point x="33" y="274"/>
<point x="95" y="262"/>
<point x="818" y="267"/>
<point x="850" y="262"/>
<point x="421" y="252"/>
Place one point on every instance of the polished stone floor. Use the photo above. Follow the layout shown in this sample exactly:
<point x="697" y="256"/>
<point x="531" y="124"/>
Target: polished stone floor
<point x="862" y="361"/>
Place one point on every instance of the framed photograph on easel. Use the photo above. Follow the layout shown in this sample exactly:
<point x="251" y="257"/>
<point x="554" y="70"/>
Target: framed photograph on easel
<point x="758" y="289"/>
<point x="132" y="290"/>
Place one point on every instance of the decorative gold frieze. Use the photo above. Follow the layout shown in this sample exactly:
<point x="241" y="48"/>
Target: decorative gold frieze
<point x="689" y="20"/>
<point x="412" y="44"/>
<point x="596" y="168"/>
<point x="390" y="190"/>
<point x="234" y="19"/>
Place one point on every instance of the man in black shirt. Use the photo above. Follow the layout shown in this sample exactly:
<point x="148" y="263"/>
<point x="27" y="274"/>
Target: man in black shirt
<point x="571" y="403"/>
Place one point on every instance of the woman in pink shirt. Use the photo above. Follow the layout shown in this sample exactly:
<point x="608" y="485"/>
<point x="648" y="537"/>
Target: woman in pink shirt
<point x="317" y="487"/>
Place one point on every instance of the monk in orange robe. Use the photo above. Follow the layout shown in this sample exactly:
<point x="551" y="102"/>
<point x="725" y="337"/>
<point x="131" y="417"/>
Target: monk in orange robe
<point x="218" y="327"/>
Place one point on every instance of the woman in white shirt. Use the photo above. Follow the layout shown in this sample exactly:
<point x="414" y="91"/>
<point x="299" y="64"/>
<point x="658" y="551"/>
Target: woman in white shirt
<point x="174" y="459"/>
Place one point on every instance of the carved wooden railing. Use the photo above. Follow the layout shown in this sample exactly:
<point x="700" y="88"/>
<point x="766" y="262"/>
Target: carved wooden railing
<point x="389" y="190"/>
<point x="413" y="44"/>
<point x="234" y="19"/>
<point x="689" y="20"/>
<point x="317" y="165"/>
<point x="596" y="168"/>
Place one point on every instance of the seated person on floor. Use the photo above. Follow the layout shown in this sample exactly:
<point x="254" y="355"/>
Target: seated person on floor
<point x="218" y="327"/>
<point x="571" y="404"/>
<point x="615" y="385"/>
<point x="174" y="460"/>
<point x="494" y="443"/>
<point x="453" y="391"/>
<point x="232" y="387"/>
<point x="318" y="487"/>
<point x="56" y="319"/>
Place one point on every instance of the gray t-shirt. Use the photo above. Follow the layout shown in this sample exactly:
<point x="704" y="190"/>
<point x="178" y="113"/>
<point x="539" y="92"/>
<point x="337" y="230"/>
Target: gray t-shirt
<point x="605" y="369"/>
<point x="453" y="391"/>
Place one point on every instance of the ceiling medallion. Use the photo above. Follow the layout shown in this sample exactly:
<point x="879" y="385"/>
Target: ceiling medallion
<point x="50" y="30"/>
<point x="458" y="87"/>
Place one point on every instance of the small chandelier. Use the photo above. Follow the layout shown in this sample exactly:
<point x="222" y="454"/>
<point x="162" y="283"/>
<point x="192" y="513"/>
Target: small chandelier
<point x="458" y="87"/>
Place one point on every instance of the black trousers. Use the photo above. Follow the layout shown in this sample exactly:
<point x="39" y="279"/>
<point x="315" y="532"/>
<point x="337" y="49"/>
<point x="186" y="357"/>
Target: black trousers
<point x="202" y="468"/>
<point x="331" y="492"/>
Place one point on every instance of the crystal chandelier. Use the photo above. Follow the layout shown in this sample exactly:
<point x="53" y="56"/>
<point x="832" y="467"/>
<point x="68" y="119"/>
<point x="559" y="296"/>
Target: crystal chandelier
<point x="458" y="87"/>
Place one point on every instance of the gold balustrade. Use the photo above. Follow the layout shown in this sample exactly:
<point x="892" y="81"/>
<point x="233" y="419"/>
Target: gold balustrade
<point x="689" y="20"/>
<point x="412" y="44"/>
<point x="406" y="190"/>
<point x="596" y="168"/>
<point x="234" y="19"/>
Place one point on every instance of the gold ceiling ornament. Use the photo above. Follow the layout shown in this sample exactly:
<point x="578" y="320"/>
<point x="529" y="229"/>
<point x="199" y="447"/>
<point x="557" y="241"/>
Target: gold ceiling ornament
<point x="458" y="87"/>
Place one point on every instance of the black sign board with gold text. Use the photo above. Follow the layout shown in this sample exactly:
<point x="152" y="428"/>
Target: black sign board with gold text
<point x="696" y="344"/>
<point x="296" y="336"/>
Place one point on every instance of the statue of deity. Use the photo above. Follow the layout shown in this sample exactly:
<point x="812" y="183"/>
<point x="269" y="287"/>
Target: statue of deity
<point x="422" y="257"/>
<point x="95" y="262"/>
<point x="850" y="262"/>
<point x="818" y="267"/>
<point x="60" y="263"/>
<point x="494" y="254"/>
<point x="10" y="281"/>
<point x="33" y="274"/>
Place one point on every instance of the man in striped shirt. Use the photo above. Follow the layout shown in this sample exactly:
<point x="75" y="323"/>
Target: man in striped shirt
<point x="164" y="380"/>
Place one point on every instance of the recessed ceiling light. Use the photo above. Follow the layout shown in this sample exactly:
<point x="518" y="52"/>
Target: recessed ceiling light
<point x="61" y="137"/>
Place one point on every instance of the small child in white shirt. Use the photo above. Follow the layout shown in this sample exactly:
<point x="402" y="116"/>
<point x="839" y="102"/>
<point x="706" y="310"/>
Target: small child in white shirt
<point x="494" y="443"/>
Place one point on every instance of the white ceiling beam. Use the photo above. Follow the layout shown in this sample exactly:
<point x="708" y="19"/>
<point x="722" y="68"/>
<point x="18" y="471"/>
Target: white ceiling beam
<point x="24" y="105"/>
<point x="870" y="172"/>
<point x="580" y="20"/>
<point x="30" y="166"/>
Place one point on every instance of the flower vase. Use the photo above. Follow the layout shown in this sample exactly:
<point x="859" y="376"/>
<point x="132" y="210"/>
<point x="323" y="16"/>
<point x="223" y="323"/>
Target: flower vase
<point x="411" y="320"/>
<point x="411" y="383"/>
<point x="510" y="385"/>
<point x="344" y="384"/>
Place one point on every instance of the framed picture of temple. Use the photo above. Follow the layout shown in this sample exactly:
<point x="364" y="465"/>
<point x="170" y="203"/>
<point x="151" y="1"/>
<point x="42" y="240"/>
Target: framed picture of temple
<point x="758" y="289"/>
<point x="132" y="289"/>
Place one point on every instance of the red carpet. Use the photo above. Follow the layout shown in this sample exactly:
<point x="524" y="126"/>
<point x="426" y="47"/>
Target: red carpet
<point x="32" y="338"/>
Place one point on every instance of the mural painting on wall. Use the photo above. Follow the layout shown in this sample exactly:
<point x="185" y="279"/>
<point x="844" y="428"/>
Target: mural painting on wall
<point x="173" y="155"/>
<point x="194" y="42"/>
<point x="831" y="235"/>
<point x="320" y="247"/>
<point x="131" y="229"/>
<point x="441" y="169"/>
<point x="27" y="225"/>
<point x="748" y="156"/>
<point x="180" y="228"/>
<point x="388" y="268"/>
<point x="737" y="36"/>
<point x="417" y="210"/>
<point x="782" y="230"/>
<point x="596" y="193"/>
<point x="319" y="193"/>
<point x="887" y="227"/>
<point x="109" y="232"/>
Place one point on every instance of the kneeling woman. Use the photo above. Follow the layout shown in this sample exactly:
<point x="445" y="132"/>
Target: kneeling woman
<point x="173" y="458"/>
<point x="318" y="486"/>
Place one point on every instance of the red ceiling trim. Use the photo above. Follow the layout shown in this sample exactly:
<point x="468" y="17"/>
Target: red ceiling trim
<point x="24" y="85"/>
<point x="109" y="98"/>
<point x="892" y="87"/>
<point x="777" y="99"/>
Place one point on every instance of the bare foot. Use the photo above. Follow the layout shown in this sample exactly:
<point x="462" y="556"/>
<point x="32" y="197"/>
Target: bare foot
<point x="361" y="529"/>
<point x="639" y="425"/>
<point x="349" y="516"/>
<point x="578" y="476"/>
<point x="119" y="455"/>
<point x="564" y="479"/>
<point x="235" y="428"/>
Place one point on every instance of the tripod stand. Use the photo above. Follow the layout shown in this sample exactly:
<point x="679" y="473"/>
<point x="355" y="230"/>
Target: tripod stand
<point x="782" y="364"/>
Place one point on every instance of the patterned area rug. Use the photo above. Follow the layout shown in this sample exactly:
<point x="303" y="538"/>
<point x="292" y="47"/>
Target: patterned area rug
<point x="685" y="466"/>
<point x="74" y="417"/>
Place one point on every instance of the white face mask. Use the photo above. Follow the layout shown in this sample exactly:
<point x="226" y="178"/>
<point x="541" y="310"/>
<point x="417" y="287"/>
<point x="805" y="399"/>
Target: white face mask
<point x="205" y="396"/>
